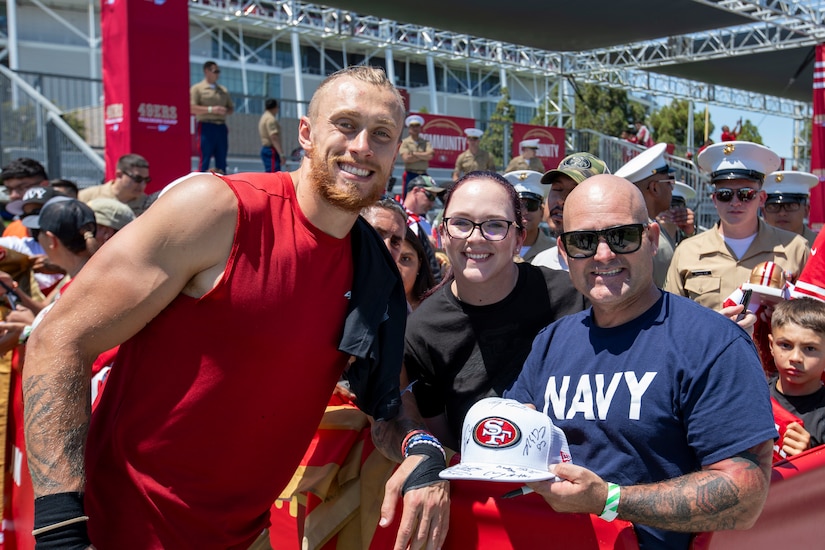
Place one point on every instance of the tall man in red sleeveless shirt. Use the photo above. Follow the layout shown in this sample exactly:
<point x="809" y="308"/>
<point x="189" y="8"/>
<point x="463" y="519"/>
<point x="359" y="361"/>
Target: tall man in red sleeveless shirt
<point x="238" y="302"/>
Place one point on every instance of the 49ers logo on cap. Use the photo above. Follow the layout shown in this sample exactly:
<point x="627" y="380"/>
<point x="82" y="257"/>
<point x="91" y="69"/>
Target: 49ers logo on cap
<point x="496" y="432"/>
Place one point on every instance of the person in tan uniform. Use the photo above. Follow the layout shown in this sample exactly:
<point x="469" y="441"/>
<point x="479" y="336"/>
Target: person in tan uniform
<point x="270" y="132"/>
<point x="474" y="158"/>
<point x="128" y="186"/>
<point x="650" y="172"/>
<point x="211" y="104"/>
<point x="527" y="184"/>
<point x="415" y="151"/>
<point x="527" y="160"/>
<point x="787" y="205"/>
<point x="708" y="267"/>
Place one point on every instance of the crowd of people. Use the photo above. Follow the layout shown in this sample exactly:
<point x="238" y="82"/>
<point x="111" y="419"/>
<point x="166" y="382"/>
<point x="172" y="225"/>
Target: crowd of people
<point x="221" y="318"/>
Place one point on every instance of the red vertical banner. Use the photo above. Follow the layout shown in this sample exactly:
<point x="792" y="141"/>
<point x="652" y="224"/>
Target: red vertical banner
<point x="551" y="142"/>
<point x="145" y="45"/>
<point x="446" y="134"/>
<point x="817" y="216"/>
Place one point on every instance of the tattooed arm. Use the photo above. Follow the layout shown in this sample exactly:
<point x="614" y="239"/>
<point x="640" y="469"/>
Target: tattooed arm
<point x="726" y="495"/>
<point x="426" y="512"/>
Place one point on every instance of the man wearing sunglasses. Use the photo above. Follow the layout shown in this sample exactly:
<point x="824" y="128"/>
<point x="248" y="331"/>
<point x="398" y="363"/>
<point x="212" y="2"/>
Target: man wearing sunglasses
<point x="651" y="173"/>
<point x="420" y="199"/>
<point x="708" y="267"/>
<point x="658" y="438"/>
<point x="787" y="206"/>
<point x="128" y="185"/>
<point x="211" y="104"/>
<point x="528" y="186"/>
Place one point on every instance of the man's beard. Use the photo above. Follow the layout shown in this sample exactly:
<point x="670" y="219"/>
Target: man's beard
<point x="349" y="197"/>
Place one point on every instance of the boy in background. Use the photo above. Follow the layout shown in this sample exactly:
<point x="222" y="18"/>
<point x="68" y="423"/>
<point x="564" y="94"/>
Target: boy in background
<point x="797" y="342"/>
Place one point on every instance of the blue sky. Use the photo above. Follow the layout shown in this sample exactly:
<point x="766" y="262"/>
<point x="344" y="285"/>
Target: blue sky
<point x="776" y="132"/>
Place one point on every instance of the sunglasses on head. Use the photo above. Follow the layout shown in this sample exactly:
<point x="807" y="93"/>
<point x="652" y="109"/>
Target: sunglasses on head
<point x="621" y="239"/>
<point x="531" y="204"/>
<point x="744" y="194"/>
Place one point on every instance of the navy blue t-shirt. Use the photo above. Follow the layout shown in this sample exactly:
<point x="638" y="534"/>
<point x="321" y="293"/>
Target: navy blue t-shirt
<point x="678" y="388"/>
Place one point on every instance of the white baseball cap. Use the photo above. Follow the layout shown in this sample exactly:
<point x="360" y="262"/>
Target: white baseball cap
<point x="504" y="440"/>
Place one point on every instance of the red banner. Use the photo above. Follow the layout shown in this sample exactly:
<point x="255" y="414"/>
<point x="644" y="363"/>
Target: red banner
<point x="446" y="134"/>
<point x="145" y="49"/>
<point x="551" y="142"/>
<point x="817" y="216"/>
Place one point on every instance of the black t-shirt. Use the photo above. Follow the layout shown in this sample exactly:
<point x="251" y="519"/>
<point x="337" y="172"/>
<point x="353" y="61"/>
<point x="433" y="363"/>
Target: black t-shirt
<point x="809" y="408"/>
<point x="460" y="353"/>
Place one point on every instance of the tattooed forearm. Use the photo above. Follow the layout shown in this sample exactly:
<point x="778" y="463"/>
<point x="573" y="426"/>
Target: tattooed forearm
<point x="56" y="420"/>
<point x="389" y="434"/>
<point x="727" y="495"/>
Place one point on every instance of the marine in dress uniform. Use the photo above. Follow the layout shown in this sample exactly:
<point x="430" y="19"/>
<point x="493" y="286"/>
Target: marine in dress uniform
<point x="527" y="160"/>
<point x="708" y="267"/>
<point x="211" y="104"/>
<point x="474" y="158"/>
<point x="527" y="184"/>
<point x="415" y="151"/>
<point x="787" y="205"/>
<point x="651" y="173"/>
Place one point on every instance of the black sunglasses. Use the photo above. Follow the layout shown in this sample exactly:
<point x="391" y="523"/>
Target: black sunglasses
<point x="430" y="195"/>
<point x="531" y="204"/>
<point x="137" y="178"/>
<point x="622" y="239"/>
<point x="744" y="194"/>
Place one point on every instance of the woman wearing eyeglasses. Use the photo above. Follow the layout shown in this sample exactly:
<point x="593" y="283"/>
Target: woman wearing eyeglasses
<point x="469" y="339"/>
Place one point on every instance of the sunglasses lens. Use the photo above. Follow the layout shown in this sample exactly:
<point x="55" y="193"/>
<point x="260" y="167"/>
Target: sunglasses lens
<point x="746" y="194"/>
<point x="531" y="205"/>
<point x="624" y="239"/>
<point x="724" y="195"/>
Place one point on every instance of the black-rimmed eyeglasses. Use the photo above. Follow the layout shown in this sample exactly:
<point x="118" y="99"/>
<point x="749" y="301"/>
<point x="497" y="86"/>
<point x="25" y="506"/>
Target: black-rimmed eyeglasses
<point x="492" y="230"/>
<point x="621" y="239"/>
<point x="775" y="207"/>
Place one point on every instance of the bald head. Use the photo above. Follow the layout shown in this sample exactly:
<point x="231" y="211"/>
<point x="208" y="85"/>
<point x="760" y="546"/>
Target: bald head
<point x="607" y="193"/>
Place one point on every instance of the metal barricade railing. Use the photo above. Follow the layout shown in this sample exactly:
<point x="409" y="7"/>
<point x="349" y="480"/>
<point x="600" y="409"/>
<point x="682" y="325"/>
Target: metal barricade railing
<point x="616" y="152"/>
<point x="34" y="125"/>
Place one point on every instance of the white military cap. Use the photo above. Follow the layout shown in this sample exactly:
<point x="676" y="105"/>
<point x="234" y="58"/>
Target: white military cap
<point x="647" y="163"/>
<point x="529" y="144"/>
<point x="683" y="190"/>
<point x="527" y="183"/>
<point x="790" y="184"/>
<point x="413" y="119"/>
<point x="733" y="160"/>
<point x="473" y="132"/>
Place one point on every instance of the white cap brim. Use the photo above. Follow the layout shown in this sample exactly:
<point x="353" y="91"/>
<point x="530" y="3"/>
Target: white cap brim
<point x="495" y="472"/>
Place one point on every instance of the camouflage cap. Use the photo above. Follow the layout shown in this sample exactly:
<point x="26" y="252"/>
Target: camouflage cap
<point x="578" y="166"/>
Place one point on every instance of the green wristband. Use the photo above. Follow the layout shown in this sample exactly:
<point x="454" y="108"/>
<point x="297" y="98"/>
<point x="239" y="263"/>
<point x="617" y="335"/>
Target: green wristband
<point x="611" y="505"/>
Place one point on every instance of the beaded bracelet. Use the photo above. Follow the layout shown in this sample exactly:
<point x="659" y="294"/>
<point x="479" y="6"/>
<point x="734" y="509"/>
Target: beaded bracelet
<point x="611" y="505"/>
<point x="407" y="440"/>
<point x="429" y="441"/>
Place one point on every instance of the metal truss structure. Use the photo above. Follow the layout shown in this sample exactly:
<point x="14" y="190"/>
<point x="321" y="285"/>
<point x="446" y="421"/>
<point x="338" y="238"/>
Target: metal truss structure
<point x="777" y="24"/>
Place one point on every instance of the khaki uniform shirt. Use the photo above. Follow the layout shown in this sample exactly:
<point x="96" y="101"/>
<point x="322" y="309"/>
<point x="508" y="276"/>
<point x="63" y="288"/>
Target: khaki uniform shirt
<point x="267" y="126"/>
<point x="210" y="95"/>
<point x="467" y="162"/>
<point x="543" y="242"/>
<point x="705" y="270"/>
<point x="810" y="235"/>
<point x="520" y="163"/>
<point x="105" y="190"/>
<point x="420" y="145"/>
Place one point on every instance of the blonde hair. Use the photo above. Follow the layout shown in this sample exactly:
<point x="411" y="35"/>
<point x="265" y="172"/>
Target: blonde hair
<point x="371" y="75"/>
